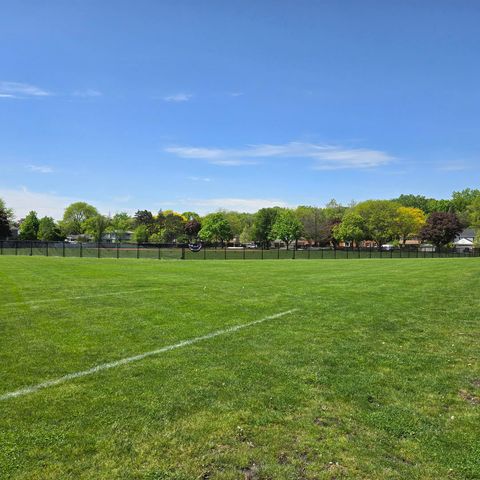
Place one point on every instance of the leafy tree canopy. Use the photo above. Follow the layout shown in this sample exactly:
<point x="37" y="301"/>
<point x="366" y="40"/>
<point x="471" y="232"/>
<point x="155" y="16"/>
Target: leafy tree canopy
<point x="215" y="228"/>
<point x="441" y="228"/>
<point x="48" y="230"/>
<point x="379" y="218"/>
<point x="74" y="217"/>
<point x="351" y="229"/>
<point x="287" y="227"/>
<point x="463" y="199"/>
<point x="263" y="223"/>
<point x="409" y="222"/>
<point x="29" y="227"/>
<point x="96" y="226"/>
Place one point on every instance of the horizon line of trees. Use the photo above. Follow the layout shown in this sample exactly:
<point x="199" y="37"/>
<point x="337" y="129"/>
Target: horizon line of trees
<point x="378" y="221"/>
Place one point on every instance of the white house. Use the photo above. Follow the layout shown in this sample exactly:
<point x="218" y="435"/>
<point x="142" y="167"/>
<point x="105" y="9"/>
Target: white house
<point x="465" y="240"/>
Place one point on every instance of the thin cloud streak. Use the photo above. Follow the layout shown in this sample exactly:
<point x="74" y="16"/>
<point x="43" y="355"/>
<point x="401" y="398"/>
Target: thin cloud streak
<point x="89" y="93"/>
<point x="40" y="168"/>
<point x="178" y="97"/>
<point x="19" y="90"/>
<point x="323" y="156"/>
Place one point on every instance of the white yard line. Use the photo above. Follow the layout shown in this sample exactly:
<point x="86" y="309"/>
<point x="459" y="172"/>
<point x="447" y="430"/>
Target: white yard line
<point x="123" y="361"/>
<point x="81" y="297"/>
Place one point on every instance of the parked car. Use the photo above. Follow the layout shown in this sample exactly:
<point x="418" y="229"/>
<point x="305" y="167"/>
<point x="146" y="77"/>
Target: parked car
<point x="388" y="247"/>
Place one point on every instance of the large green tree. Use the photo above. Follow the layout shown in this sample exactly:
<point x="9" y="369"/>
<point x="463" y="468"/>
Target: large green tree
<point x="96" y="226"/>
<point x="74" y="217"/>
<point x="312" y="219"/>
<point x="474" y="214"/>
<point x="7" y="211"/>
<point x="414" y="201"/>
<point x="29" y="227"/>
<point x="145" y="218"/>
<point x="379" y="218"/>
<point x="263" y="223"/>
<point x="120" y="224"/>
<point x="173" y="227"/>
<point x="463" y="199"/>
<point x="351" y="229"/>
<point x="408" y="223"/>
<point x="215" y="228"/>
<point x="4" y="224"/>
<point x="48" y="230"/>
<point x="287" y="227"/>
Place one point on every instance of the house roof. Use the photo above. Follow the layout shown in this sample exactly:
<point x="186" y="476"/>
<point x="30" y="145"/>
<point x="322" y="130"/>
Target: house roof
<point x="467" y="233"/>
<point x="464" y="241"/>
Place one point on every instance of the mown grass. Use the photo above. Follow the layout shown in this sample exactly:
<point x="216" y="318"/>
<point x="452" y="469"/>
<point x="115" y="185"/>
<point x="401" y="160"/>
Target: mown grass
<point x="375" y="376"/>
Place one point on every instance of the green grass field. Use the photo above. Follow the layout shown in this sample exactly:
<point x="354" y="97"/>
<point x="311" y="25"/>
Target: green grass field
<point x="375" y="375"/>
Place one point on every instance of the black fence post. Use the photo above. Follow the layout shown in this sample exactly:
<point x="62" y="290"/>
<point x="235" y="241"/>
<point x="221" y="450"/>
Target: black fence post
<point x="334" y="252"/>
<point x="16" y="248"/>
<point x="205" y="253"/>
<point x="308" y="254"/>
<point x="322" y="252"/>
<point x="262" y="252"/>
<point x="225" y="253"/>
<point x="293" y="254"/>
<point x="138" y="251"/>
<point x="98" y="249"/>
<point x="46" y="250"/>
<point x="183" y="253"/>
<point x="244" y="251"/>
<point x="159" y="252"/>
<point x="63" y="248"/>
<point x="278" y="252"/>
<point x="81" y="249"/>
<point x="31" y="248"/>
<point x="346" y="248"/>
<point x="1" y="247"/>
<point x="370" y="253"/>
<point x="118" y="250"/>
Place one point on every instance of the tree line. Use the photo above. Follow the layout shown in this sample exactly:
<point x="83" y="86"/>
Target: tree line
<point x="378" y="221"/>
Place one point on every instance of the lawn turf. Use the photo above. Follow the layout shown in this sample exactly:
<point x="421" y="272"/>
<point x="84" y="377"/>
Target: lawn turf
<point x="375" y="376"/>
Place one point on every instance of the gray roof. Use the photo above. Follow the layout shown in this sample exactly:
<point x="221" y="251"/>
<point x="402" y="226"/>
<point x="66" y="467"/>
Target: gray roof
<point x="467" y="233"/>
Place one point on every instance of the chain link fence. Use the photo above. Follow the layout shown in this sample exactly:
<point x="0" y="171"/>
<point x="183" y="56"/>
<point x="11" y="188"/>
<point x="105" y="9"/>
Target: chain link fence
<point x="217" y="252"/>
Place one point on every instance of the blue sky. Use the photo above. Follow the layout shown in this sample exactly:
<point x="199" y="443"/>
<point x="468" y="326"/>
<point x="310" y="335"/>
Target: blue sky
<point x="241" y="104"/>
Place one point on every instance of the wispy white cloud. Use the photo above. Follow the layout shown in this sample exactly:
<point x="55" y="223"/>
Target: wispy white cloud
<point x="51" y="204"/>
<point x="178" y="97"/>
<point x="200" y="179"/>
<point x="323" y="156"/>
<point x="88" y="93"/>
<point x="23" y="201"/>
<point x="454" y="166"/>
<point x="40" y="168"/>
<point x="21" y="90"/>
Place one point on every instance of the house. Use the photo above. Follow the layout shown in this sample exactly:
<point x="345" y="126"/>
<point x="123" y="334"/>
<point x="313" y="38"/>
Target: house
<point x="113" y="237"/>
<point x="464" y="241"/>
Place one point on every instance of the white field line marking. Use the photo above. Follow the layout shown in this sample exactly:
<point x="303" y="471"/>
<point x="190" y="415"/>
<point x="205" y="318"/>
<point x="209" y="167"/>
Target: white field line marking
<point x="81" y="297"/>
<point x="136" y="358"/>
